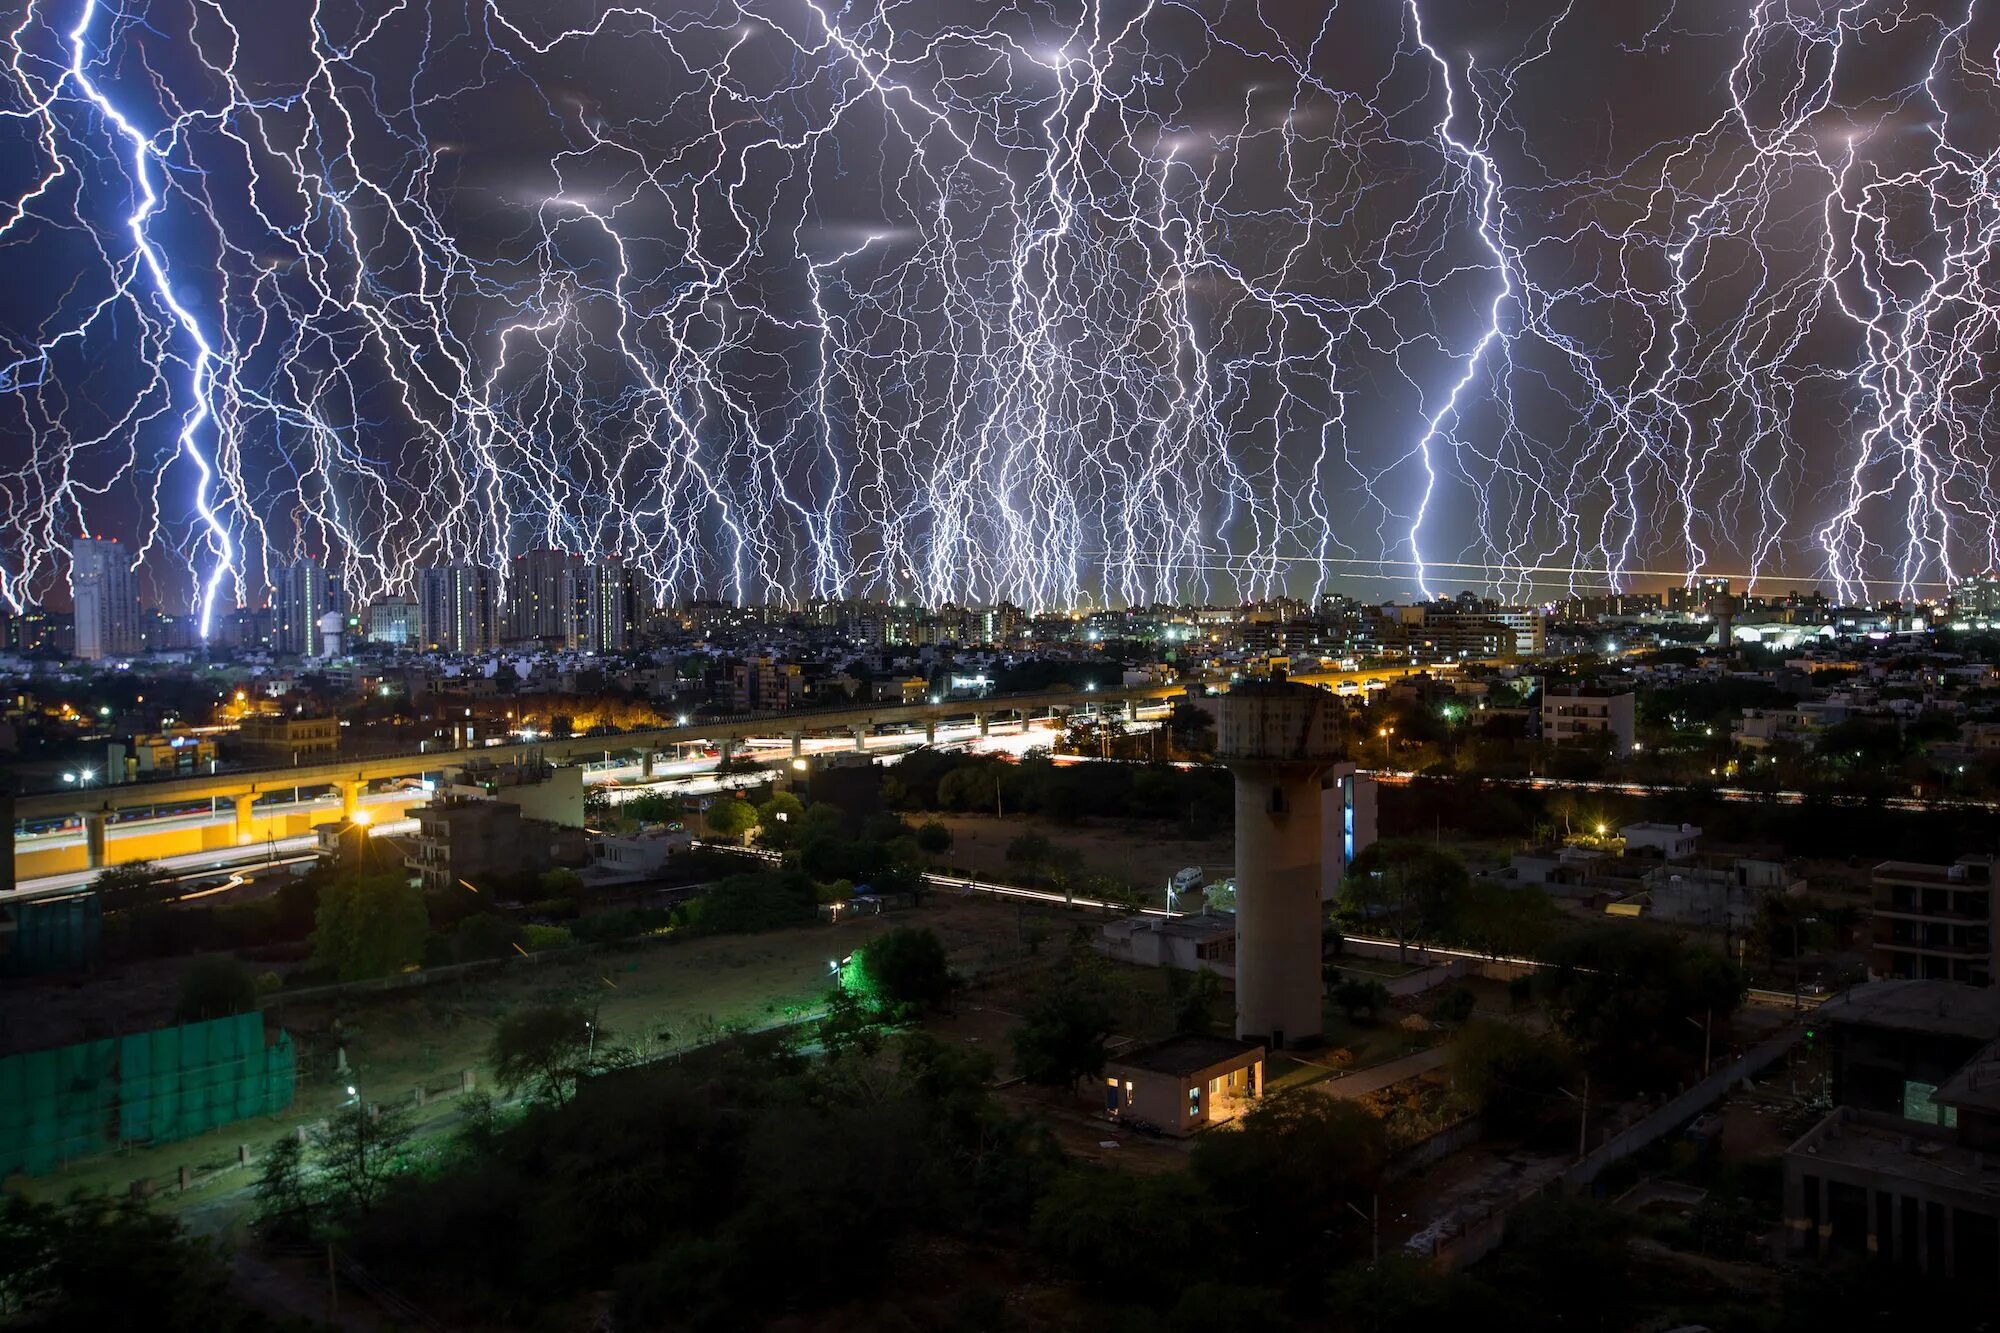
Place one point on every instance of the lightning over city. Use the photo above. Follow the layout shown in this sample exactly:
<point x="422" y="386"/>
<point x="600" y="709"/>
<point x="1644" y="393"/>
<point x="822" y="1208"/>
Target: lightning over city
<point x="1063" y="303"/>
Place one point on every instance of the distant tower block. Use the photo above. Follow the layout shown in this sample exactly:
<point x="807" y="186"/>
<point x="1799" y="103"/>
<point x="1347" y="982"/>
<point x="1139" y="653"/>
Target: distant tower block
<point x="1277" y="738"/>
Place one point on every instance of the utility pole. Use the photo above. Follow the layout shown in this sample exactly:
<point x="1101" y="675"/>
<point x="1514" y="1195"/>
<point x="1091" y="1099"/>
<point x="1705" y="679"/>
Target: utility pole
<point x="1583" y="1120"/>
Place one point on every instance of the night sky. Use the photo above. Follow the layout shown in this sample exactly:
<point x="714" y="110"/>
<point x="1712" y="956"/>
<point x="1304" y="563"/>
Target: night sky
<point x="1050" y="302"/>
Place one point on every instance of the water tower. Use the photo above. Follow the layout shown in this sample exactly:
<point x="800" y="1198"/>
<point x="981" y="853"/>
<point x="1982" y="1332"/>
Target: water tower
<point x="1277" y="738"/>
<point x="332" y="629"/>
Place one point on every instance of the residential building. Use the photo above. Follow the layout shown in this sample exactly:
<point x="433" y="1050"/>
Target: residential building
<point x="1185" y="1084"/>
<point x="1933" y="921"/>
<point x="1904" y="1168"/>
<point x="286" y="739"/>
<point x="457" y="608"/>
<point x="394" y="622"/>
<point x="607" y="606"/>
<point x="143" y="757"/>
<point x="302" y="596"/>
<point x="468" y="839"/>
<point x="1576" y="714"/>
<point x="104" y="591"/>
<point x="541" y="595"/>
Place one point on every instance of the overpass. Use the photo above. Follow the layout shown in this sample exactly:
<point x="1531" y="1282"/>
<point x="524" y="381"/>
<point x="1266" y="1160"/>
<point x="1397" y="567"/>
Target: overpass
<point x="350" y="777"/>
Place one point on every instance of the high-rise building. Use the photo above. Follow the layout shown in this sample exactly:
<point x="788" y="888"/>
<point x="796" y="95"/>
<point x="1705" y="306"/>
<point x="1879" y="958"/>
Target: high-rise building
<point x="301" y="600"/>
<point x="394" y="621"/>
<point x="106" y="595"/>
<point x="1978" y="596"/>
<point x="1692" y="600"/>
<point x="540" y="595"/>
<point x="606" y="605"/>
<point x="457" y="608"/>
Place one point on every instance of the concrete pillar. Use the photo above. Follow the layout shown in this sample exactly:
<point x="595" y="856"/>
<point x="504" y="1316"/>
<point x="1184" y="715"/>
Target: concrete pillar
<point x="798" y="745"/>
<point x="861" y="740"/>
<point x="726" y="749"/>
<point x="417" y="1095"/>
<point x="350" y="797"/>
<point x="246" y="821"/>
<point x="930" y="731"/>
<point x="985" y="723"/>
<point x="187" y="1178"/>
<point x="646" y="763"/>
<point x="1131" y="710"/>
<point x="467" y="1080"/>
<point x="242" y="1154"/>
<point x="95" y="824"/>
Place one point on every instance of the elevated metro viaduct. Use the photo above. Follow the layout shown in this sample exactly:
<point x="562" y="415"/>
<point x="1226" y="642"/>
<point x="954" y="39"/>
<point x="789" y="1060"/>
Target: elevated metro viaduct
<point x="351" y="777"/>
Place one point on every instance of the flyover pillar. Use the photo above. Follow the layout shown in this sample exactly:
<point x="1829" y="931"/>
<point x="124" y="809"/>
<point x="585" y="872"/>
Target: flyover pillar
<point x="930" y="731"/>
<point x="95" y="823"/>
<point x="246" y="820"/>
<point x="798" y="745"/>
<point x="646" y="758"/>
<point x="985" y="724"/>
<point x="350" y="798"/>
<point x="861" y="740"/>
<point x="1131" y="710"/>
<point x="726" y="749"/>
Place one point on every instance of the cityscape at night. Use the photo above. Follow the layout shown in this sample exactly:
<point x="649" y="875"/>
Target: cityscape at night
<point x="1007" y="666"/>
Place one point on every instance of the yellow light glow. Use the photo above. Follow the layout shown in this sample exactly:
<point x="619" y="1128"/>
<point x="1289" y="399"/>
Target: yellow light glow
<point x="364" y="817"/>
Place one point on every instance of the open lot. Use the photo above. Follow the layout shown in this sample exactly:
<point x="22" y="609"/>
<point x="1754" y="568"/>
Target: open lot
<point x="655" y="997"/>
<point x="1141" y="853"/>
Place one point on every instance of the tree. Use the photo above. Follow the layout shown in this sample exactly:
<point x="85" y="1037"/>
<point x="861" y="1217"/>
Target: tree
<point x="369" y="926"/>
<point x="933" y="838"/>
<point x="1193" y="996"/>
<point x="139" y="884"/>
<point x="545" y="1049"/>
<point x="215" y="988"/>
<point x="1062" y="1034"/>
<point x="1635" y="1002"/>
<point x="1455" y="1006"/>
<point x="94" y="1263"/>
<point x="907" y="970"/>
<point x="360" y="1149"/>
<point x="559" y="882"/>
<point x="731" y="818"/>
<point x="1357" y="996"/>
<point x="1294" y="1179"/>
<point x="285" y="1200"/>
<point x="782" y="808"/>
<point x="1407" y="886"/>
<point x="1514" y="1077"/>
<point x="1030" y="850"/>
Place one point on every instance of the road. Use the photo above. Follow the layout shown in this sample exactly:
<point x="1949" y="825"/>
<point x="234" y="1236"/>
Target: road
<point x="1732" y="794"/>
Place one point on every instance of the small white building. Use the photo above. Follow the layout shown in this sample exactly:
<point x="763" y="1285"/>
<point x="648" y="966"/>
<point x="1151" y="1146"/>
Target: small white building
<point x="1186" y="942"/>
<point x="639" y="856"/>
<point x="1669" y="842"/>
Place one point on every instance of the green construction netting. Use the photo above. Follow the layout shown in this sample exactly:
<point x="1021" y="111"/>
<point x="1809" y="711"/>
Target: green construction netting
<point x="153" y="1087"/>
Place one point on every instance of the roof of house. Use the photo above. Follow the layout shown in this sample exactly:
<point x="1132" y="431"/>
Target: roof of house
<point x="1186" y="1055"/>
<point x="1946" y="1008"/>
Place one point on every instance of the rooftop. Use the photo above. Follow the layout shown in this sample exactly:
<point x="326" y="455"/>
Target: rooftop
<point x="1976" y="1085"/>
<point x="1904" y="1149"/>
<point x="1946" y="1008"/>
<point x="1184" y="1055"/>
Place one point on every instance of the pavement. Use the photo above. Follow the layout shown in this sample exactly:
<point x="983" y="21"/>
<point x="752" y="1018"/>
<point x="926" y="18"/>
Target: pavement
<point x="1361" y="1082"/>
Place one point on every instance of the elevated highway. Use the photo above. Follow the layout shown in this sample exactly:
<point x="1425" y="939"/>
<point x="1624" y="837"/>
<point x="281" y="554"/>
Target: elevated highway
<point x="268" y="802"/>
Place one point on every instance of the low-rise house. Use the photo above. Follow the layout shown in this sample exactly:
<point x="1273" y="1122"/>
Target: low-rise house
<point x="1184" y="1084"/>
<point x="1189" y="943"/>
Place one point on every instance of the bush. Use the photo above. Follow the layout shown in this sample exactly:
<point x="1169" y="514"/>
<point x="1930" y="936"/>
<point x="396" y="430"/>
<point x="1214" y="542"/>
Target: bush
<point x="1357" y="996"/>
<point x="535" y="938"/>
<point x="907" y="970"/>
